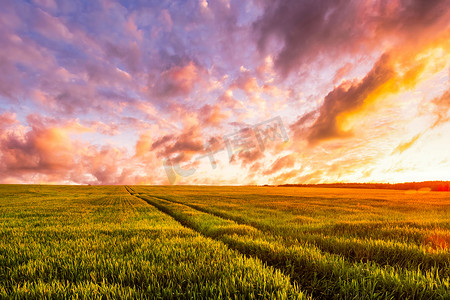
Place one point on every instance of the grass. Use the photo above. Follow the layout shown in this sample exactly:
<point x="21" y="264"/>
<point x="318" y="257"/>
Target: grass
<point x="223" y="242"/>
<point x="97" y="242"/>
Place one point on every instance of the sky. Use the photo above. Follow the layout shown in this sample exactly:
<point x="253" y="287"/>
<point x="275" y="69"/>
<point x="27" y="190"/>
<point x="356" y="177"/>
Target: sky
<point x="224" y="92"/>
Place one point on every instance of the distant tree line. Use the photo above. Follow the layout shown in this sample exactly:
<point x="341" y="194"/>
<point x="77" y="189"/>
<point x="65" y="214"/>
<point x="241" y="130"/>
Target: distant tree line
<point x="441" y="186"/>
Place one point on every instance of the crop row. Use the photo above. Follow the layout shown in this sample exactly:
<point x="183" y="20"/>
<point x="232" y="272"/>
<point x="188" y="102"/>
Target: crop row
<point x="104" y="243"/>
<point x="323" y="274"/>
<point x="382" y="252"/>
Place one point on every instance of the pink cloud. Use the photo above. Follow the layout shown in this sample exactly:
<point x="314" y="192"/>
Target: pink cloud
<point x="46" y="151"/>
<point x="212" y="115"/>
<point x="51" y="27"/>
<point x="177" y="81"/>
<point x="7" y="119"/>
<point x="180" y="147"/>
<point x="42" y="149"/>
<point x="247" y="83"/>
<point x="227" y="100"/>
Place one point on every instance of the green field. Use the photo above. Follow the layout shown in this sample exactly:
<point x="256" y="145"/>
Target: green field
<point x="185" y="242"/>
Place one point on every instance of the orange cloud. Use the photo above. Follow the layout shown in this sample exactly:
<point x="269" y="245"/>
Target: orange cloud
<point x="247" y="83"/>
<point x="343" y="99"/>
<point x="287" y="161"/>
<point x="143" y="145"/>
<point x="47" y="152"/>
<point x="405" y="146"/>
<point x="47" y="149"/>
<point x="396" y="71"/>
<point x="213" y="115"/>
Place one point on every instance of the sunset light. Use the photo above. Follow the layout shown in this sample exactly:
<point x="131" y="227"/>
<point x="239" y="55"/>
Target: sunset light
<point x="106" y="92"/>
<point x="225" y="149"/>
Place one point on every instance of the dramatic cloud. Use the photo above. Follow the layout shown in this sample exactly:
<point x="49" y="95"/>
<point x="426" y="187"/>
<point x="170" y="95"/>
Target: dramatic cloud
<point x="311" y="29"/>
<point x="235" y="92"/>
<point x="347" y="97"/>
<point x="39" y="150"/>
<point x="181" y="146"/>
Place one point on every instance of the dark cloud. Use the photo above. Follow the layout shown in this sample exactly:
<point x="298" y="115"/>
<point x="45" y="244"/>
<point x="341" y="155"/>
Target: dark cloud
<point x="129" y="54"/>
<point x="161" y="141"/>
<point x="176" y="81"/>
<point x="306" y="29"/>
<point x="301" y="126"/>
<point x="183" y="145"/>
<point x="312" y="29"/>
<point x="410" y="16"/>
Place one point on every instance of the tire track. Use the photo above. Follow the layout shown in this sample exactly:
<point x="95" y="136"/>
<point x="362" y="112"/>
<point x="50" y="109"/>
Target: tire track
<point x="321" y="274"/>
<point x="383" y="253"/>
<point x="191" y="226"/>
